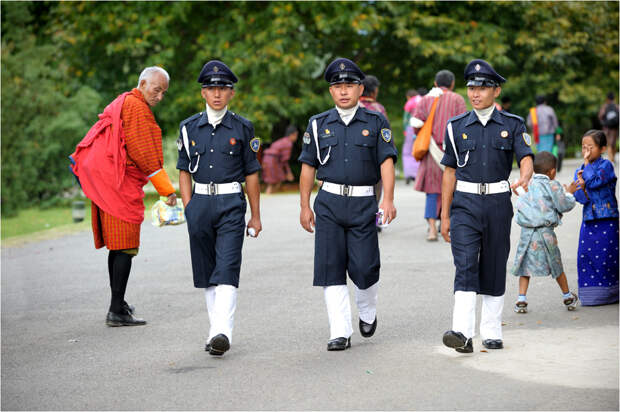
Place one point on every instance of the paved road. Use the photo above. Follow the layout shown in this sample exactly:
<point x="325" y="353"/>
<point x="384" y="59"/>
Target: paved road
<point x="57" y="352"/>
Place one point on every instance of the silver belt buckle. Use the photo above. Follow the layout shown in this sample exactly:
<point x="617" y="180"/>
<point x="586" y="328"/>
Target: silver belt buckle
<point x="212" y="188"/>
<point x="345" y="190"/>
<point x="483" y="188"/>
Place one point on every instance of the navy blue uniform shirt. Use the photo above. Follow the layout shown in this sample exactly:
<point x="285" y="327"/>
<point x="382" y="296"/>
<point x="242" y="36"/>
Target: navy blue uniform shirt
<point x="357" y="150"/>
<point x="491" y="148"/>
<point x="225" y="152"/>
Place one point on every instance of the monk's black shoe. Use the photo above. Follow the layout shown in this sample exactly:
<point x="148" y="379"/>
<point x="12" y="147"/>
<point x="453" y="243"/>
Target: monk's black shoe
<point x="339" y="344"/>
<point x="129" y="308"/>
<point x="493" y="343"/>
<point x="123" y="319"/>
<point x="458" y="341"/>
<point x="368" y="329"/>
<point x="218" y="345"/>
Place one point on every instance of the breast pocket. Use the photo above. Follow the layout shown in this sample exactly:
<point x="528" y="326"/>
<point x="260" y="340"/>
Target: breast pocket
<point x="365" y="146"/>
<point x="230" y="153"/>
<point x="325" y="142"/>
<point x="467" y="149"/>
<point x="502" y="143"/>
<point x="196" y="150"/>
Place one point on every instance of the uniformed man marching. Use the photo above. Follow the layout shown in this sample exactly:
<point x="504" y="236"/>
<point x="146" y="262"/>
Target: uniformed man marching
<point x="350" y="148"/>
<point x="217" y="149"/>
<point x="476" y="210"/>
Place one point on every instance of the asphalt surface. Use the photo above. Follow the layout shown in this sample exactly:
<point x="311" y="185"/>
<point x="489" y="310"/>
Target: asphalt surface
<point x="57" y="352"/>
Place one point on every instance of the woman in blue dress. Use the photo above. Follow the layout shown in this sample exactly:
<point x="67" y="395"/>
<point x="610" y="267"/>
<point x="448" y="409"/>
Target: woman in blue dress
<point x="597" y="259"/>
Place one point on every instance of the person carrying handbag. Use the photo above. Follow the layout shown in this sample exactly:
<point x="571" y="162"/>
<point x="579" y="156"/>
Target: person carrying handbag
<point x="448" y="104"/>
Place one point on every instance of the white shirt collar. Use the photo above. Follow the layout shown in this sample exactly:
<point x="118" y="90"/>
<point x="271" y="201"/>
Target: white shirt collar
<point x="347" y="114"/>
<point x="215" y="116"/>
<point x="485" y="114"/>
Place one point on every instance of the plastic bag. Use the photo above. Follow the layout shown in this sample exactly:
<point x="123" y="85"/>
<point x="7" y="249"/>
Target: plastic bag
<point x="162" y="214"/>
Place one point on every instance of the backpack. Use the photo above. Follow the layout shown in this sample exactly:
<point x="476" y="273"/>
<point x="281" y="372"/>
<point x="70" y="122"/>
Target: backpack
<point x="610" y="117"/>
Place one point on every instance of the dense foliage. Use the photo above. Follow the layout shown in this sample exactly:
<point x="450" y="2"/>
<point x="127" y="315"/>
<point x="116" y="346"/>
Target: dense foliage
<point x="63" y="62"/>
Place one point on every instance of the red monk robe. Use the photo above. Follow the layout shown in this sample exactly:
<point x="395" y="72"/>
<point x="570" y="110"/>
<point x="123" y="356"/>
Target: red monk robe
<point x="113" y="163"/>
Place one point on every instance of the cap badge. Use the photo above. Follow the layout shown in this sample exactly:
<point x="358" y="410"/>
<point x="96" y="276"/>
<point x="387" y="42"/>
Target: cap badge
<point x="326" y="131"/>
<point x="232" y="141"/>
<point x="464" y="136"/>
<point x="342" y="66"/>
<point x="504" y="134"/>
<point x="255" y="144"/>
<point x="477" y="67"/>
<point x="216" y="69"/>
<point x="365" y="132"/>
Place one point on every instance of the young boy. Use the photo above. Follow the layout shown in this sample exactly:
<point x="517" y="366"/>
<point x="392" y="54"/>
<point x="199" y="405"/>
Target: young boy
<point x="538" y="212"/>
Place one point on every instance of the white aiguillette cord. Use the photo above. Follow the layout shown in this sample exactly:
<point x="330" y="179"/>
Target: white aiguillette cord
<point x="316" y="140"/>
<point x="186" y="144"/>
<point x="456" y="154"/>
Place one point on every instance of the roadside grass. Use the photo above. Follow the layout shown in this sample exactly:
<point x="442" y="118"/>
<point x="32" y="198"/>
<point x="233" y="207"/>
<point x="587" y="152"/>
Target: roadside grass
<point x="38" y="224"/>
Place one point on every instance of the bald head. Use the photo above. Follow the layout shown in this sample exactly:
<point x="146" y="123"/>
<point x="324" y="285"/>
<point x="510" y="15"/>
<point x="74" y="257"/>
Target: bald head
<point x="153" y="84"/>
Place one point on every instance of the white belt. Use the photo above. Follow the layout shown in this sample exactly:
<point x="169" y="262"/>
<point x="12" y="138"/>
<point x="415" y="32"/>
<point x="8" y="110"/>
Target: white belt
<point x="483" y="188"/>
<point x="217" y="188"/>
<point x="346" y="190"/>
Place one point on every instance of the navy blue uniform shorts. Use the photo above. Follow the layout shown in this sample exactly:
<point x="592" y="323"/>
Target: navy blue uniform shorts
<point x="480" y="239"/>
<point x="216" y="226"/>
<point x="345" y="240"/>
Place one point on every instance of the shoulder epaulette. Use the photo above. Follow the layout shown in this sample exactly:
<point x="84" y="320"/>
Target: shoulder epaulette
<point x="189" y="119"/>
<point x="242" y="120"/>
<point x="507" y="114"/>
<point x="460" y="116"/>
<point x="320" y="115"/>
<point x="245" y="122"/>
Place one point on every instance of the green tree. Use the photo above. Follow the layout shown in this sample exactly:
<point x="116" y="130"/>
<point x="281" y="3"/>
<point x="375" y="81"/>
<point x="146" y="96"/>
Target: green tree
<point x="279" y="50"/>
<point x="39" y="123"/>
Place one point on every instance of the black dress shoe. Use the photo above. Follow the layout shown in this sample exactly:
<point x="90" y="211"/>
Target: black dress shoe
<point x="129" y="308"/>
<point x="458" y="341"/>
<point x="493" y="343"/>
<point x="123" y="319"/>
<point x="368" y="329"/>
<point x="218" y="345"/>
<point x="339" y="344"/>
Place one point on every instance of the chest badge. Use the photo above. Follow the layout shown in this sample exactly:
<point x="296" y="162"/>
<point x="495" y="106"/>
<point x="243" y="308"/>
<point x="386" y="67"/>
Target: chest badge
<point x="365" y="132"/>
<point x="504" y="134"/>
<point x="386" y="134"/>
<point x="464" y="136"/>
<point x="193" y="143"/>
<point x="232" y="141"/>
<point x="255" y="144"/>
<point x="326" y="131"/>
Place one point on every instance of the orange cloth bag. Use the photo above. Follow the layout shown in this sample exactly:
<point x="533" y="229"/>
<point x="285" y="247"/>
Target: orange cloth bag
<point x="423" y="139"/>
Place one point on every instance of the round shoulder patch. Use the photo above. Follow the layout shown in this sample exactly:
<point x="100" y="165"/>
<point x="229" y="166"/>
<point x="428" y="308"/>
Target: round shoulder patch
<point x="527" y="139"/>
<point x="386" y="134"/>
<point x="255" y="144"/>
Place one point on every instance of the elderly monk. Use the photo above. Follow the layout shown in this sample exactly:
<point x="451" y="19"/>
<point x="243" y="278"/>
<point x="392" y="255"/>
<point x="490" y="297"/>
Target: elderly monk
<point x="118" y="156"/>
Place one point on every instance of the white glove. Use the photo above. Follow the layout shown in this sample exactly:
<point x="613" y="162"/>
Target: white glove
<point x="435" y="92"/>
<point x="415" y="122"/>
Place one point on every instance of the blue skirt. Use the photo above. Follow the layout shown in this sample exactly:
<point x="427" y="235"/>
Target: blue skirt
<point x="597" y="262"/>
